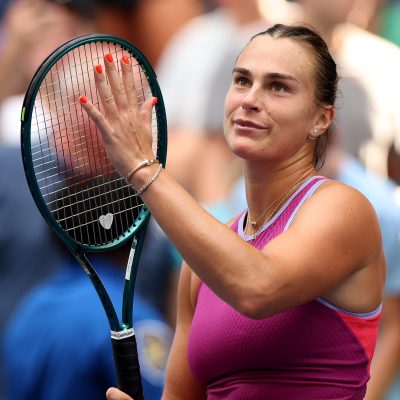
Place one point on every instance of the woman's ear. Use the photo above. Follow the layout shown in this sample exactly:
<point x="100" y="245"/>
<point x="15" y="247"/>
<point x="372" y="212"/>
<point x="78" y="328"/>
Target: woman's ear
<point x="326" y="115"/>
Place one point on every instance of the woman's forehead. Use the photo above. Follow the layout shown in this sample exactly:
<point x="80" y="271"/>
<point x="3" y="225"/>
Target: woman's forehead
<point x="265" y="54"/>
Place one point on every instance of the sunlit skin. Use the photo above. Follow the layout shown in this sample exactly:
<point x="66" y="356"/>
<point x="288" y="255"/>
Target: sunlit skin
<point x="270" y="110"/>
<point x="272" y="92"/>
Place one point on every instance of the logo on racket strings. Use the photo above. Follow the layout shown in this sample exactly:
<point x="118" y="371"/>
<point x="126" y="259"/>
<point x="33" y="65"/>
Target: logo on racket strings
<point x="106" y="220"/>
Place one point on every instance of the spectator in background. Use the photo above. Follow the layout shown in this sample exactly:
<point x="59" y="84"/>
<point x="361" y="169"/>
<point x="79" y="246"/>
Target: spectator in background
<point x="58" y="346"/>
<point x="27" y="256"/>
<point x="374" y="62"/>
<point x="366" y="14"/>
<point x="32" y="29"/>
<point x="149" y="25"/>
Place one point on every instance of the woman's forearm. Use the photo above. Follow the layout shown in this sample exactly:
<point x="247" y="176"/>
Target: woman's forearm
<point x="213" y="251"/>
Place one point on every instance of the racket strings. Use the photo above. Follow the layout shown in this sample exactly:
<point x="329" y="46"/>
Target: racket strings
<point x="81" y="188"/>
<point x="38" y="150"/>
<point x="82" y="192"/>
<point x="93" y="198"/>
<point x="74" y="180"/>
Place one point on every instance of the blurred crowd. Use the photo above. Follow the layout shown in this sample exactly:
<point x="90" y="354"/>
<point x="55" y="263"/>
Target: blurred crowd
<point x="47" y="320"/>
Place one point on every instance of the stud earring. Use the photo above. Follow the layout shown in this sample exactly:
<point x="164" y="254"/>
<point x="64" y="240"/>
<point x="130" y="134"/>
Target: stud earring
<point x="314" y="132"/>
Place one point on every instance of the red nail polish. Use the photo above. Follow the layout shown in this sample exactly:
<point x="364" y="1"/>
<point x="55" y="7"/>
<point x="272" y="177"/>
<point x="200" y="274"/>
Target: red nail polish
<point x="125" y="59"/>
<point x="99" y="69"/>
<point x="83" y="99"/>
<point x="109" y="57"/>
<point x="154" y="101"/>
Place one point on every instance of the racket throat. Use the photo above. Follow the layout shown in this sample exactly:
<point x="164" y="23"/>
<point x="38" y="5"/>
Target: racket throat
<point x="100" y="289"/>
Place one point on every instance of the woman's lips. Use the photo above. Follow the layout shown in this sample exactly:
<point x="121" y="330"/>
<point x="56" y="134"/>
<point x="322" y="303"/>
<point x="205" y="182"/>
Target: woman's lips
<point x="242" y="123"/>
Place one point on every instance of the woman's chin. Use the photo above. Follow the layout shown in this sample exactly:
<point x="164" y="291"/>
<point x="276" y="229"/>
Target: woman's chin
<point x="244" y="152"/>
<point x="245" y="147"/>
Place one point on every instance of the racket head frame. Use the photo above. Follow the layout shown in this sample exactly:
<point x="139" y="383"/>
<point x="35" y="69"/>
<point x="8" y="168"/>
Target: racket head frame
<point x="26" y="118"/>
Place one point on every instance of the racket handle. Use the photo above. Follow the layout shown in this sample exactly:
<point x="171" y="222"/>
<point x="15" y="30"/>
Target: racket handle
<point x="127" y="365"/>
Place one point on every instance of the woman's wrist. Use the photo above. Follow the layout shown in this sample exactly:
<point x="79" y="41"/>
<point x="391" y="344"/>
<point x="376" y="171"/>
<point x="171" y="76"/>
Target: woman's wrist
<point x="145" y="186"/>
<point x="145" y="163"/>
<point x="144" y="177"/>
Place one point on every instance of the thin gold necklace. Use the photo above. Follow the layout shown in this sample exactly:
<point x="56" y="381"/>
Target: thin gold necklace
<point x="254" y="223"/>
<point x="282" y="198"/>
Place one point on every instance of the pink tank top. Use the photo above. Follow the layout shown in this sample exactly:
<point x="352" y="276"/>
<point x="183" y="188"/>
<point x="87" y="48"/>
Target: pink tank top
<point x="312" y="351"/>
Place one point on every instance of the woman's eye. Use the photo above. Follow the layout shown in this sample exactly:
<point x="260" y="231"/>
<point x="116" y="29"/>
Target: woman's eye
<point x="241" y="81"/>
<point x="278" y="87"/>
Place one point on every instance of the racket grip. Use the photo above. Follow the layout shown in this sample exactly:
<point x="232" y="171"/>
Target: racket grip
<point x="127" y="366"/>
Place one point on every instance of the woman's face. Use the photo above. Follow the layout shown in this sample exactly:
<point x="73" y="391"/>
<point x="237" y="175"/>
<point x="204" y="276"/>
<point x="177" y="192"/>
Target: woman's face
<point x="270" y="108"/>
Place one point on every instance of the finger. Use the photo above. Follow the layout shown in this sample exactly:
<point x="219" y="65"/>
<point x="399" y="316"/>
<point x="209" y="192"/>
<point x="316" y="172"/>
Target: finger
<point x="129" y="82"/>
<point x="146" y="111"/>
<point x="116" y="83"/>
<point x="106" y="97"/>
<point x="97" y="117"/>
<point x="115" y="394"/>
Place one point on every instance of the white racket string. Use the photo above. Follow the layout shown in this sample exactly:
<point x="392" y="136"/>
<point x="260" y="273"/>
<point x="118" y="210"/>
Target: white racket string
<point x="81" y="188"/>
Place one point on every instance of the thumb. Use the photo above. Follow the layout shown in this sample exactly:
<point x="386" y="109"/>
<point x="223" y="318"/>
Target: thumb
<point x="115" y="394"/>
<point x="146" y="110"/>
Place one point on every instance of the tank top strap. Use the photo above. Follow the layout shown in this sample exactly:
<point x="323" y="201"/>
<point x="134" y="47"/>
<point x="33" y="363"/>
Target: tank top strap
<point x="283" y="218"/>
<point x="301" y="197"/>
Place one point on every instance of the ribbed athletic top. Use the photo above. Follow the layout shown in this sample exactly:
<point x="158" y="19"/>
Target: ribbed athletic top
<point x="312" y="351"/>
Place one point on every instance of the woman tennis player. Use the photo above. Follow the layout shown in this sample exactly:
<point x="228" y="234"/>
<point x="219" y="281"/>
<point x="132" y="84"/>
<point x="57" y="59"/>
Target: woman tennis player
<point x="284" y="301"/>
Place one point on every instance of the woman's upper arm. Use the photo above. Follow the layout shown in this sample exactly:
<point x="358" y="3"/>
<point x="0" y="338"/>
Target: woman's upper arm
<point x="180" y="383"/>
<point x="333" y="237"/>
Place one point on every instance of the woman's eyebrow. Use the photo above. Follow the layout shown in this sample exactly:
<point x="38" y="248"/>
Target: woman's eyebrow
<point x="278" y="75"/>
<point x="267" y="76"/>
<point x="242" y="71"/>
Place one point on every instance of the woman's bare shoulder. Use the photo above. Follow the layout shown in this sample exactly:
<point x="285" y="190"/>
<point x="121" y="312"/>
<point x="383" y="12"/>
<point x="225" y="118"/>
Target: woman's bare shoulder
<point x="341" y="212"/>
<point x="334" y="196"/>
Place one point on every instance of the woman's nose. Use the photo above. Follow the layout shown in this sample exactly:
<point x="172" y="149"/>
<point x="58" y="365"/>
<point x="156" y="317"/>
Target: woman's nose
<point x="250" y="101"/>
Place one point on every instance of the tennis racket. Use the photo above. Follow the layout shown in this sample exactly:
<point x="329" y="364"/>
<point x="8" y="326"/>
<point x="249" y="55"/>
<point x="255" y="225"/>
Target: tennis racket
<point x="80" y="194"/>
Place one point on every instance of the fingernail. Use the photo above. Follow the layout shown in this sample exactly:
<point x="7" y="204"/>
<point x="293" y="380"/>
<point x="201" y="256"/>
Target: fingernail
<point x="125" y="59"/>
<point x="154" y="101"/>
<point x="109" y="57"/>
<point x="99" y="69"/>
<point x="83" y="99"/>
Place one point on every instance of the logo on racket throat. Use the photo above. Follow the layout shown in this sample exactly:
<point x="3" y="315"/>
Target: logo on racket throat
<point x="106" y="220"/>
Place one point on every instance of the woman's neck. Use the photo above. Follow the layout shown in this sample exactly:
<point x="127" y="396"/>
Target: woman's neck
<point x="266" y="187"/>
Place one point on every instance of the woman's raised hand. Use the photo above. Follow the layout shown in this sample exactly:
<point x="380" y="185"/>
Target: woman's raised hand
<point x="125" y="125"/>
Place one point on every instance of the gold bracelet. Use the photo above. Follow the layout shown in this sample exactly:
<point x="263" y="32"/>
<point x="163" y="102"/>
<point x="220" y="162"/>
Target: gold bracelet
<point x="146" y="185"/>
<point x="144" y="163"/>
